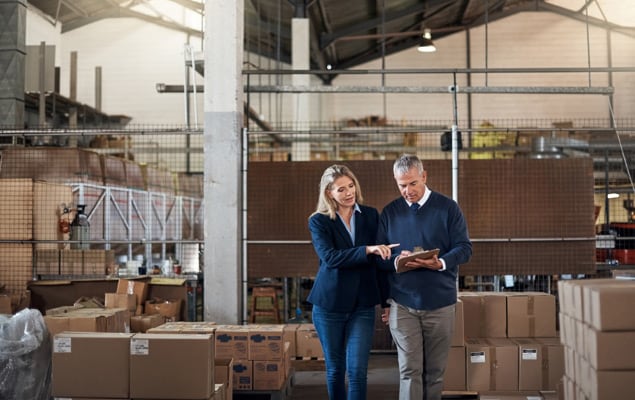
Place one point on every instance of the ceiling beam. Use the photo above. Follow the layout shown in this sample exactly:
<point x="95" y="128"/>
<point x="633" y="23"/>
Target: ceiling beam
<point x="127" y="13"/>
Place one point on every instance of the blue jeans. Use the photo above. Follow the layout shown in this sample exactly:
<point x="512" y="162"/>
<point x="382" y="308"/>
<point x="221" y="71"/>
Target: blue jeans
<point x="346" y="340"/>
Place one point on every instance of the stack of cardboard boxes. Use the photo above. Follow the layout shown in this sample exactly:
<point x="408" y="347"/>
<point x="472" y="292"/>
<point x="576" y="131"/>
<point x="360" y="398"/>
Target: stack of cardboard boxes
<point x="597" y="326"/>
<point x="87" y="365"/>
<point x="511" y="346"/>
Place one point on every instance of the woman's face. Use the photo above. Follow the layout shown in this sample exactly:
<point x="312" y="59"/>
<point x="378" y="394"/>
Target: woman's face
<point x="343" y="192"/>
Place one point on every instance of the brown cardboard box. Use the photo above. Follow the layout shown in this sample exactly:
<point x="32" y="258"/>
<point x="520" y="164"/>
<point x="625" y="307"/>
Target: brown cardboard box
<point x="91" y="365"/>
<point x="179" y="366"/>
<point x="492" y="364"/>
<point x="307" y="342"/>
<point x="5" y="304"/>
<point x="185" y="327"/>
<point x="97" y="261"/>
<point x="47" y="261"/>
<point x="573" y="294"/>
<point x="268" y="374"/>
<point x="120" y="300"/>
<point x="608" y="385"/>
<point x="530" y="363"/>
<point x="143" y="323"/>
<point x="224" y="375"/>
<point x="531" y="314"/>
<point x="610" y="307"/>
<point x="243" y="375"/>
<point x="552" y="362"/>
<point x="610" y="350"/>
<point x="220" y="393"/>
<point x="485" y="314"/>
<point x="458" y="337"/>
<point x="289" y="335"/>
<point x="454" y="377"/>
<point x="71" y="262"/>
<point x="138" y="287"/>
<point x="89" y="320"/>
<point x="232" y="341"/>
<point x="265" y="342"/>
<point x="170" y="310"/>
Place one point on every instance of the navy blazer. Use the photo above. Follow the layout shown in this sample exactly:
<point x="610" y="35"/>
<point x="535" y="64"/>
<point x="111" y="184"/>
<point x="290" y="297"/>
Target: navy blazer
<point x="347" y="278"/>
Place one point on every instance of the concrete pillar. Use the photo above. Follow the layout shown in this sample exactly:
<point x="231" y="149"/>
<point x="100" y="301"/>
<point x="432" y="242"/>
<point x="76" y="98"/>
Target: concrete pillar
<point x="300" y="60"/>
<point x="12" y="61"/>
<point x="223" y="109"/>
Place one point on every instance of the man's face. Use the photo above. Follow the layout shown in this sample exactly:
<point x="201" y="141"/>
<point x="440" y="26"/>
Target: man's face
<point x="412" y="184"/>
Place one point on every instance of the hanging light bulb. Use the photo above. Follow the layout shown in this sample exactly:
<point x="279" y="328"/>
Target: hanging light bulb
<point x="425" y="44"/>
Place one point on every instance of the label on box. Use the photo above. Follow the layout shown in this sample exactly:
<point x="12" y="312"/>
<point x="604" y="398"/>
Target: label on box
<point x="477" y="357"/>
<point x="62" y="345"/>
<point x="139" y="347"/>
<point x="530" y="354"/>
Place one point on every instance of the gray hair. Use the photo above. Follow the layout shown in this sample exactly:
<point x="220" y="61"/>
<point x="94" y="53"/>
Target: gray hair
<point x="326" y="205"/>
<point x="406" y="162"/>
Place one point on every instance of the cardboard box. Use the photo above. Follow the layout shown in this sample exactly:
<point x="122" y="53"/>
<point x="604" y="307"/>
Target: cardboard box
<point x="5" y="304"/>
<point x="47" y="261"/>
<point x="610" y="307"/>
<point x="289" y="335"/>
<point x="91" y="365"/>
<point x="530" y="362"/>
<point x="485" y="314"/>
<point x="143" y="323"/>
<point x="71" y="262"/>
<point x="552" y="362"/>
<point x="121" y="300"/>
<point x="89" y="320"/>
<point x="531" y="314"/>
<point x="265" y="342"/>
<point x="492" y="364"/>
<point x="610" y="350"/>
<point x="308" y="342"/>
<point x="179" y="366"/>
<point x="97" y="262"/>
<point x="224" y="375"/>
<point x="243" y="375"/>
<point x="454" y="377"/>
<point x="220" y="392"/>
<point x="185" y="327"/>
<point x="268" y="374"/>
<point x="170" y="310"/>
<point x="232" y="341"/>
<point x="458" y="337"/>
<point x="137" y="287"/>
<point x="611" y="385"/>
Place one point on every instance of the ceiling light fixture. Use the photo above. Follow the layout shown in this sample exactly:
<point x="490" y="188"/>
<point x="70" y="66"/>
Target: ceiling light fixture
<point x="425" y="44"/>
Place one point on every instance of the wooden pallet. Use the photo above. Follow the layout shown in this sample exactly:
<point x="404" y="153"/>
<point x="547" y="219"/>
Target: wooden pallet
<point x="308" y="364"/>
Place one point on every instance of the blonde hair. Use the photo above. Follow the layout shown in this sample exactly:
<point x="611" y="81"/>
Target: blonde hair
<point x="326" y="205"/>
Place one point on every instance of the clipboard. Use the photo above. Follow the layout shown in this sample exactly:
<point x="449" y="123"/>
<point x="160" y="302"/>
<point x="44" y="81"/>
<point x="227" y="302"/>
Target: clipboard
<point x="401" y="264"/>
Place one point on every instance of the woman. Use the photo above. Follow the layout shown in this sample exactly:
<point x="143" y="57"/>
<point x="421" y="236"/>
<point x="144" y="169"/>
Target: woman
<point x="347" y="285"/>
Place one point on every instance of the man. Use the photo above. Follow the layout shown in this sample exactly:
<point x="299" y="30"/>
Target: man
<point x="422" y="301"/>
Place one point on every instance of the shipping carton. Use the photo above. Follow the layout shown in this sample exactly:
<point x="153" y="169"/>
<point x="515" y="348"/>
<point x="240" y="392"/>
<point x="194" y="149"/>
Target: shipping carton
<point x="91" y="365"/>
<point x="224" y="375"/>
<point x="143" y="323"/>
<point x="458" y="337"/>
<point x="308" y="342"/>
<point x="610" y="307"/>
<point x="454" y="378"/>
<point x="243" y="375"/>
<point x="485" y="314"/>
<point x="179" y="366"/>
<point x="265" y="342"/>
<point x="552" y="362"/>
<point x="531" y="314"/>
<point x="530" y="362"/>
<point x="492" y="364"/>
<point x="610" y="350"/>
<point x="232" y="341"/>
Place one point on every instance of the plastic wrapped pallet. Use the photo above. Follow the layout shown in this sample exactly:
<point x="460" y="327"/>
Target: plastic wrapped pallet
<point x="25" y="356"/>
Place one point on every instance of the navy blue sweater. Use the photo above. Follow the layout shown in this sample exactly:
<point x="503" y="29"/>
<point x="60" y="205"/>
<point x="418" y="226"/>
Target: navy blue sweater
<point x="439" y="223"/>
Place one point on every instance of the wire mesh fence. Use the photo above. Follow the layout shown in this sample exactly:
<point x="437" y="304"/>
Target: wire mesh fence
<point x="142" y="188"/>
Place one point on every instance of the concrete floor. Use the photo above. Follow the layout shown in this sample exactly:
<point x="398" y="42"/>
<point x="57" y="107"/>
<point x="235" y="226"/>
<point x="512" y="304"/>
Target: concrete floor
<point x="383" y="381"/>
